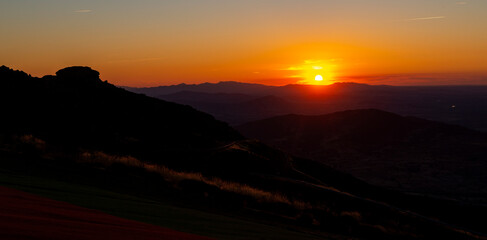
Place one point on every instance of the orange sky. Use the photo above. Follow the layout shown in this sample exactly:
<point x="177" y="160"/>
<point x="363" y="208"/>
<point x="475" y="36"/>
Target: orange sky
<point x="276" y="42"/>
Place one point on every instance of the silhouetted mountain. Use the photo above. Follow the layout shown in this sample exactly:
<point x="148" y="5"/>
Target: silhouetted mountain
<point x="256" y="109"/>
<point x="188" y="97"/>
<point x="73" y="127"/>
<point x="267" y="101"/>
<point x="463" y="105"/>
<point x="232" y="108"/>
<point x="386" y="149"/>
<point x="221" y="87"/>
<point x="75" y="108"/>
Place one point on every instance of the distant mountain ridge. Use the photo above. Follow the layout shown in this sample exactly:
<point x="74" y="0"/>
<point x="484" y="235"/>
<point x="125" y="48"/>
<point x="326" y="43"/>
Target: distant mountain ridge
<point x="463" y="105"/>
<point x="220" y="87"/>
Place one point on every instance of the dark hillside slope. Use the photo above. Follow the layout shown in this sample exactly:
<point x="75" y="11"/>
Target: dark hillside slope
<point x="385" y="149"/>
<point x="73" y="127"/>
<point x="75" y="108"/>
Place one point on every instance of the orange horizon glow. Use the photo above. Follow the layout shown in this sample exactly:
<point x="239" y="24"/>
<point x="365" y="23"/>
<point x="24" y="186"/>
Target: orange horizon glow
<point x="155" y="43"/>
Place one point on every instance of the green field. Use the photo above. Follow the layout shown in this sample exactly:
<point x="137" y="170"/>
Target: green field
<point x="158" y="213"/>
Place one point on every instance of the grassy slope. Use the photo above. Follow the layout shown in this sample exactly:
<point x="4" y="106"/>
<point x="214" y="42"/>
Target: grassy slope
<point x="157" y="213"/>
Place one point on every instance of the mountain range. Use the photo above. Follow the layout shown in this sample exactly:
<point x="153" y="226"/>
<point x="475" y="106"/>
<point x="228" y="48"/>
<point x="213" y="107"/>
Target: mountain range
<point x="73" y="129"/>
<point x="461" y="105"/>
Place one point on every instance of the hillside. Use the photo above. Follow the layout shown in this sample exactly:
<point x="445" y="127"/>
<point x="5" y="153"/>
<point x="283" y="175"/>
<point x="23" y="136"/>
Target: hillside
<point x="76" y="129"/>
<point x="76" y="109"/>
<point x="403" y="153"/>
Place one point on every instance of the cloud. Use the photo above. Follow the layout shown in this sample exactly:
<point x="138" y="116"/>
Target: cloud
<point x="461" y="3"/>
<point x="425" y="18"/>
<point x="83" y="11"/>
<point x="136" y="60"/>
<point x="294" y="68"/>
<point x="310" y="64"/>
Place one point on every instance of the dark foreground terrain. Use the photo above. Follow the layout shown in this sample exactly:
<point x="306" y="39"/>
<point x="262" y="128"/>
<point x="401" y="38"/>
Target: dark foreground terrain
<point x="27" y="216"/>
<point x="76" y="130"/>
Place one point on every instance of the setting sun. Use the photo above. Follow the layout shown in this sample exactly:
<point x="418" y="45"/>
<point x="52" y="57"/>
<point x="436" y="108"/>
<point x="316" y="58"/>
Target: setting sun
<point x="284" y="42"/>
<point x="313" y="71"/>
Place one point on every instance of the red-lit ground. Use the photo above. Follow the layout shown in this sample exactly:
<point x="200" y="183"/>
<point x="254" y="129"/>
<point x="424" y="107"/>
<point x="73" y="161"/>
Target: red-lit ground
<point x="27" y="216"/>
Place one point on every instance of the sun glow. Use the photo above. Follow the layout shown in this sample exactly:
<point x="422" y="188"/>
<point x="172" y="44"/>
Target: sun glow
<point x="314" y="72"/>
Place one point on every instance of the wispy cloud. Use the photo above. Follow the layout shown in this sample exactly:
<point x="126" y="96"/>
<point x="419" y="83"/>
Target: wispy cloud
<point x="461" y="3"/>
<point x="306" y="65"/>
<point x="425" y="18"/>
<point x="293" y="68"/>
<point x="137" y="60"/>
<point x="83" y="11"/>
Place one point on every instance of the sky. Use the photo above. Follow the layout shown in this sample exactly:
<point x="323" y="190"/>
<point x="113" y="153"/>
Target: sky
<point x="276" y="42"/>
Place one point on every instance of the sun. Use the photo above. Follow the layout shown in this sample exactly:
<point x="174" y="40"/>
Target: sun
<point x="314" y="72"/>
